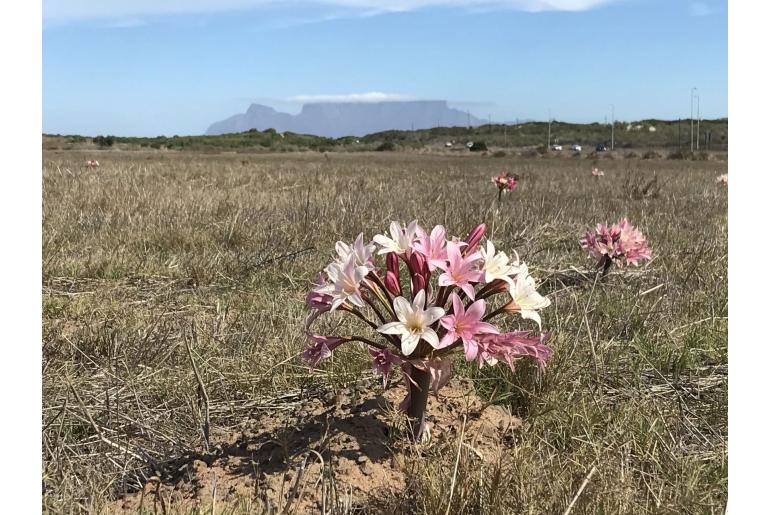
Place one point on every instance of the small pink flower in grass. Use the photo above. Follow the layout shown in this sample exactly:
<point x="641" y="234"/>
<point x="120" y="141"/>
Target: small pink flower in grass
<point x="722" y="180"/>
<point x="621" y="243"/>
<point x="460" y="271"/>
<point x="383" y="362"/>
<point x="596" y="172"/>
<point x="320" y="348"/>
<point x="465" y="325"/>
<point x="432" y="247"/>
<point x="504" y="181"/>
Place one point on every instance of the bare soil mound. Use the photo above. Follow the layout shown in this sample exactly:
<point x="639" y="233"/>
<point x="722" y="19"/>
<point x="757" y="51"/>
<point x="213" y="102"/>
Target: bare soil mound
<point x="347" y="449"/>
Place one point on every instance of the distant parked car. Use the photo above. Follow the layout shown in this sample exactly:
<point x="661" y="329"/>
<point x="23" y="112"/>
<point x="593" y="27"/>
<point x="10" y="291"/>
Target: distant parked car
<point x="556" y="147"/>
<point x="577" y="148"/>
<point x="601" y="147"/>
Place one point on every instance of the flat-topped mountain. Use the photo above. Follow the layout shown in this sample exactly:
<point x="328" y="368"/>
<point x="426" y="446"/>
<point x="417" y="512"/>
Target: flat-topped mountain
<point x="336" y="119"/>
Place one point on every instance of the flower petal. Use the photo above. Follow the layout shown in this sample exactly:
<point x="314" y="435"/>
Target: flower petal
<point x="433" y="314"/>
<point x="430" y="336"/>
<point x="392" y="328"/>
<point x="409" y="343"/>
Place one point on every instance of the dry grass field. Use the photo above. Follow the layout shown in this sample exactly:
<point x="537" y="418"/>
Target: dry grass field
<point x="158" y="261"/>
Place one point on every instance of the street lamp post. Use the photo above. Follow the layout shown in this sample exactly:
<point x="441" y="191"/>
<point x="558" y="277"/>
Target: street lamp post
<point x="692" y="131"/>
<point x="612" y="133"/>
<point x="697" y="138"/>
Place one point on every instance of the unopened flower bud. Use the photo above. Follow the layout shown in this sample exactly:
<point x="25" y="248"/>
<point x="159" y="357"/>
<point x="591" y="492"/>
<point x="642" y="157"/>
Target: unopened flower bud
<point x="392" y="283"/>
<point x="473" y="238"/>
<point x="418" y="283"/>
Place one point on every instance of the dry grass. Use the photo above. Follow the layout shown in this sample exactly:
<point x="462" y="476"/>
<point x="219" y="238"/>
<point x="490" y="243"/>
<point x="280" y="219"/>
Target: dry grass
<point x="154" y="252"/>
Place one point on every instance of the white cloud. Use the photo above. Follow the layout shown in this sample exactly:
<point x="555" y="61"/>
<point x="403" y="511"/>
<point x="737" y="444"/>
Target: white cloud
<point x="56" y="12"/>
<point x="701" y="9"/>
<point x="372" y="96"/>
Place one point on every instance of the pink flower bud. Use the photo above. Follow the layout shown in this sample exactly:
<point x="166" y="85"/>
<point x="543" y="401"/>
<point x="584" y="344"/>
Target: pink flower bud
<point x="418" y="283"/>
<point x="473" y="238"/>
<point x="391" y="262"/>
<point x="418" y="264"/>
<point x="392" y="284"/>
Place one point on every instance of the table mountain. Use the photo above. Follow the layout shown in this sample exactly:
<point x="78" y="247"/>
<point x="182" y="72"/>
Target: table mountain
<point x="336" y="119"/>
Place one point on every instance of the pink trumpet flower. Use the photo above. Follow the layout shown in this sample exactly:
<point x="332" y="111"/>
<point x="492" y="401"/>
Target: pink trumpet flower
<point x="460" y="271"/>
<point x="433" y="247"/>
<point x="320" y="348"/>
<point x="383" y="362"/>
<point x="510" y="347"/>
<point x="401" y="238"/>
<point x="465" y="325"/>
<point x="319" y="301"/>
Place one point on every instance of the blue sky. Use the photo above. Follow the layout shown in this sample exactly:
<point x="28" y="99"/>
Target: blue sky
<point x="169" y="67"/>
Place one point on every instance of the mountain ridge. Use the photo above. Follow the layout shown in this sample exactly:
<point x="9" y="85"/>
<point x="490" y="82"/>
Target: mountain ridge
<point x="337" y="119"/>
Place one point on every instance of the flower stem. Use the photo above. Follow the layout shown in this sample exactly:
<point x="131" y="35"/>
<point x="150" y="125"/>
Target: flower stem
<point x="419" y="388"/>
<point x="606" y="263"/>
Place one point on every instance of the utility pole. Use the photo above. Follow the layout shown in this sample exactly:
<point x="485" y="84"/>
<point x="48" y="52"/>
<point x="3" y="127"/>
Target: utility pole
<point x="549" y="130"/>
<point x="612" y="137"/>
<point x="697" y="138"/>
<point x="692" y="131"/>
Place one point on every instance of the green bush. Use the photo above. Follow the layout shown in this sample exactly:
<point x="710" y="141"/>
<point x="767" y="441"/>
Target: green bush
<point x="386" y="146"/>
<point x="104" y="141"/>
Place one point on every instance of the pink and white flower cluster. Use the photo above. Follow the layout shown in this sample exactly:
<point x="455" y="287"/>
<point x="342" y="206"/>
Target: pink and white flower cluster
<point x="596" y="172"/>
<point x="621" y="243"/>
<point x="504" y="181"/>
<point x="722" y="179"/>
<point x="432" y="296"/>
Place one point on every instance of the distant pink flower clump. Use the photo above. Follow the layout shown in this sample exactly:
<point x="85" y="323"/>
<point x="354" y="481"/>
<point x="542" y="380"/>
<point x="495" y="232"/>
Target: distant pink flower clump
<point x="621" y="243"/>
<point x="504" y="181"/>
<point x="596" y="172"/>
<point x="722" y="180"/>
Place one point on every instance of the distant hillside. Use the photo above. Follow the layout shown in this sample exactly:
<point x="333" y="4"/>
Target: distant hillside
<point x="672" y="136"/>
<point x="335" y="120"/>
